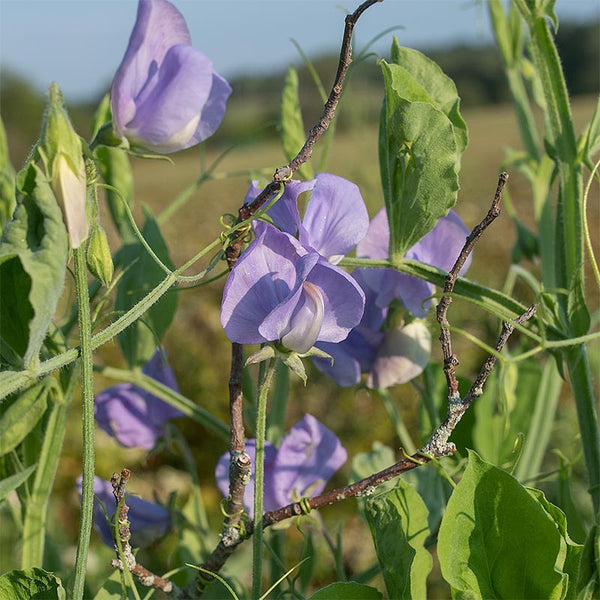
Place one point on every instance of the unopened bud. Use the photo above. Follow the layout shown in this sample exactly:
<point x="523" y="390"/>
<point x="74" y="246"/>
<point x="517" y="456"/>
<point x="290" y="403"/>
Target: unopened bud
<point x="61" y="152"/>
<point x="99" y="258"/>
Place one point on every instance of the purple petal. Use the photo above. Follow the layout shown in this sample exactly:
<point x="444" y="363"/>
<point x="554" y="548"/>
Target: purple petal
<point x="336" y="218"/>
<point x="376" y="242"/>
<point x="442" y="245"/>
<point x="263" y="277"/>
<point x="214" y="109"/>
<point x="307" y="458"/>
<point x="158" y="27"/>
<point x="147" y="519"/>
<point x="343" y="299"/>
<point x="133" y="416"/>
<point x="402" y="356"/>
<point x="222" y="477"/>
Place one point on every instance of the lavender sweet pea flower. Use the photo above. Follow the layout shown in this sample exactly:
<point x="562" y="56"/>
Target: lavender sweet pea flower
<point x="334" y="221"/>
<point x="165" y="95"/>
<point x="387" y="357"/>
<point x="440" y="248"/>
<point x="133" y="416"/>
<point x="305" y="461"/>
<point x="280" y="291"/>
<point x="148" y="520"/>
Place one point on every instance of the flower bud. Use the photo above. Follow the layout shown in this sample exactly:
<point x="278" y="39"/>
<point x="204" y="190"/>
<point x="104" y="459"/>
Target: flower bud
<point x="61" y="152"/>
<point x="99" y="258"/>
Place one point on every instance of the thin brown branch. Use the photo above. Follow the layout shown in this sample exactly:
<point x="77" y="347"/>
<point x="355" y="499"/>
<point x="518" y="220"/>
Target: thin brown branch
<point x="145" y="577"/>
<point x="450" y="359"/>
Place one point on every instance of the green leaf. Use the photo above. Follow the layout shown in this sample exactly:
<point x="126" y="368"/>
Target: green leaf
<point x="347" y="590"/>
<point x="14" y="481"/>
<point x="570" y="551"/>
<point x="113" y="588"/>
<point x="139" y="341"/>
<point x="31" y="584"/>
<point x="22" y="415"/>
<point x="496" y="540"/>
<point x="440" y="89"/>
<point x="398" y="523"/>
<point x="588" y="581"/>
<point x="366" y="463"/>
<point x="33" y="258"/>
<point x="419" y="155"/>
<point x="292" y="127"/>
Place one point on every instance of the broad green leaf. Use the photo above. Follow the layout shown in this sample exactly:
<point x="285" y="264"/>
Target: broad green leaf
<point x="33" y="258"/>
<point x="398" y="522"/>
<point x="496" y="540"/>
<point x="366" y="463"/>
<point x="570" y="551"/>
<point x="292" y="127"/>
<point x="419" y="159"/>
<point x="31" y="584"/>
<point x="14" y="481"/>
<point x="347" y="590"/>
<point x="139" y="341"/>
<point x="22" y="415"/>
<point x="440" y="89"/>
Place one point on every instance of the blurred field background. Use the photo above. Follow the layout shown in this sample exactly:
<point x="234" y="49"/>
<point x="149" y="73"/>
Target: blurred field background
<point x="196" y="344"/>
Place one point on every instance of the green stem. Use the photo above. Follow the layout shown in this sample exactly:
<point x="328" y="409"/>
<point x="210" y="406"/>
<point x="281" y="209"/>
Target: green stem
<point x="34" y="527"/>
<point x="259" y="466"/>
<point x="281" y="388"/>
<point x="87" y="409"/>
<point x="581" y="384"/>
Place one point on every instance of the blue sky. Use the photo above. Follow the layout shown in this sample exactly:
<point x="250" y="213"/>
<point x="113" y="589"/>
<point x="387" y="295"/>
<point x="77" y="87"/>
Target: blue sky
<point x="79" y="43"/>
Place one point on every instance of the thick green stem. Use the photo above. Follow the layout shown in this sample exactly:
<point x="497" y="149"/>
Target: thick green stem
<point x="276" y="420"/>
<point x="87" y="409"/>
<point x="261" y="426"/>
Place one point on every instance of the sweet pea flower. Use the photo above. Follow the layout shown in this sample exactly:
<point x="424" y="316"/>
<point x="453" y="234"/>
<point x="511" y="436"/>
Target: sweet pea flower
<point x="285" y="287"/>
<point x="133" y="416"/>
<point x="305" y="461"/>
<point x="440" y="248"/>
<point x="165" y="95"/>
<point x="148" y="520"/>
<point x="280" y="291"/>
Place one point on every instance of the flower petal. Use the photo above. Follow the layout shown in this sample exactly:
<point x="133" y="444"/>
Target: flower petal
<point x="158" y="27"/>
<point x="264" y="276"/>
<point x="336" y="217"/>
<point x="222" y="477"/>
<point x="305" y="323"/>
<point x="343" y="300"/>
<point x="306" y="460"/>
<point x="169" y="107"/>
<point x="402" y="356"/>
<point x="376" y="242"/>
<point x="214" y="109"/>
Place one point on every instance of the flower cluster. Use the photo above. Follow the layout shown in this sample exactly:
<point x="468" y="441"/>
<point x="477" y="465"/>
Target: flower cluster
<point x="166" y="95"/>
<point x="133" y="416"/>
<point x="390" y="352"/>
<point x="300" y="467"/>
<point x="284" y="288"/>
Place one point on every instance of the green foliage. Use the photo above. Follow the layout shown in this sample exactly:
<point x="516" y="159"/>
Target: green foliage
<point x="33" y="257"/>
<point x="7" y="180"/>
<point x="588" y="582"/>
<point x="497" y="541"/>
<point x="421" y="139"/>
<point x="141" y="275"/>
<point x="292" y="127"/>
<point x="31" y="584"/>
<point x="22" y="415"/>
<point x="398" y="522"/>
<point x="347" y="590"/>
<point x="12" y="482"/>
